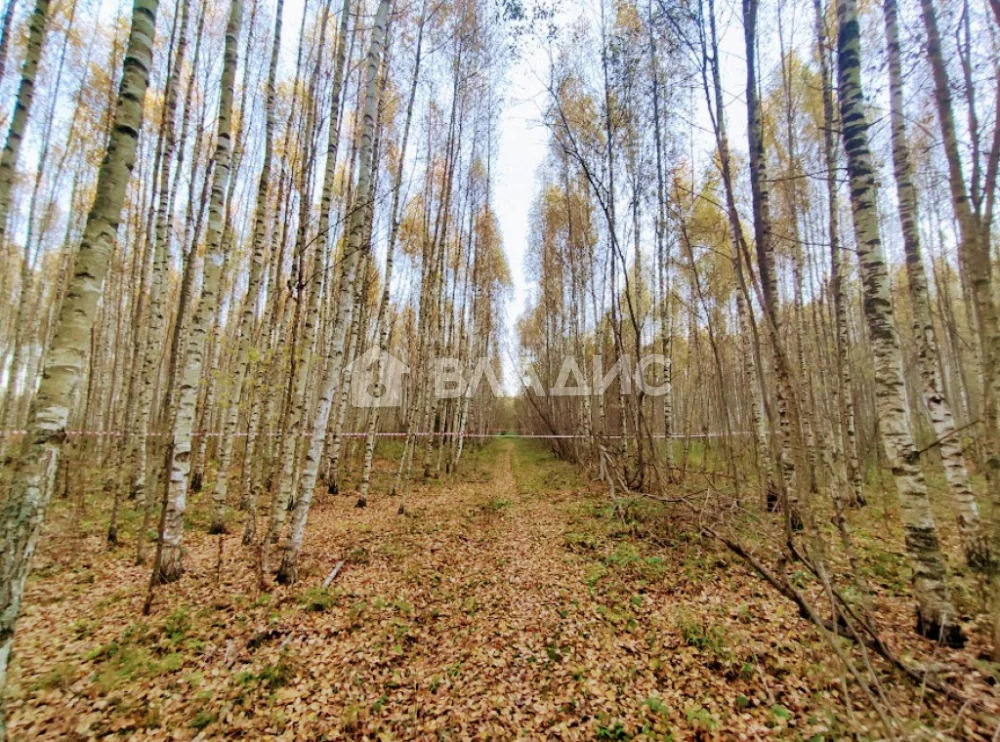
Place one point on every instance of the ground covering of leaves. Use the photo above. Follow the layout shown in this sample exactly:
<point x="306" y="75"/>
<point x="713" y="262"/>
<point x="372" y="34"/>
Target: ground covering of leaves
<point x="511" y="601"/>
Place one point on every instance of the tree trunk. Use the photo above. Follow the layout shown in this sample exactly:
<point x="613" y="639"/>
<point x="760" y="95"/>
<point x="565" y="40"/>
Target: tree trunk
<point x="383" y="324"/>
<point x="789" y="410"/>
<point x="64" y="362"/>
<point x="844" y="406"/>
<point x="22" y="108"/>
<point x="246" y="322"/>
<point x="288" y="572"/>
<point x="160" y="283"/>
<point x="952" y="456"/>
<point x="191" y="370"/>
<point x="935" y="614"/>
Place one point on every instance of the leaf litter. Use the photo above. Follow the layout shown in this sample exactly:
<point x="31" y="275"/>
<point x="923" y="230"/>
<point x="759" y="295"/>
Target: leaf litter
<point x="512" y="604"/>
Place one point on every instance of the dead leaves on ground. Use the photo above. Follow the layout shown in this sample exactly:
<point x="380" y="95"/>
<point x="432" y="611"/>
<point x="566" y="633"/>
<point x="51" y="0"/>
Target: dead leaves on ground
<point x="514" y="605"/>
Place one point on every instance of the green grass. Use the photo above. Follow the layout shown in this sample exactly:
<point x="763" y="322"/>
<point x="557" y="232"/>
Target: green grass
<point x="60" y="676"/>
<point x="319" y="599"/>
<point x="538" y="471"/>
<point x="497" y="505"/>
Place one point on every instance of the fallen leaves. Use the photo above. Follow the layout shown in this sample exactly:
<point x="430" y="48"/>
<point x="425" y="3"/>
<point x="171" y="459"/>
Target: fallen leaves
<point x="510" y="607"/>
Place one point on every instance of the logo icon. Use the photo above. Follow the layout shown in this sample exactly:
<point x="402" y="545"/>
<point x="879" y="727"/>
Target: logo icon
<point x="377" y="379"/>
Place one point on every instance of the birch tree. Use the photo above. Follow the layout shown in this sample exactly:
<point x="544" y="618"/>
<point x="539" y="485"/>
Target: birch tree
<point x="942" y="420"/>
<point x="936" y="616"/>
<point x="292" y="545"/>
<point x="249" y="310"/>
<point x="168" y="564"/>
<point x="65" y="356"/>
<point x="22" y="106"/>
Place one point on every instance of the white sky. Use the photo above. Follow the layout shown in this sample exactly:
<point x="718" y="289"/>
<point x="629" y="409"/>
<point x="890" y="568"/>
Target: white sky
<point x="522" y="147"/>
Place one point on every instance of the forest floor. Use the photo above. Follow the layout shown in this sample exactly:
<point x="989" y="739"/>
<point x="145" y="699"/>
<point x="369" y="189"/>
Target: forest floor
<point x="510" y="601"/>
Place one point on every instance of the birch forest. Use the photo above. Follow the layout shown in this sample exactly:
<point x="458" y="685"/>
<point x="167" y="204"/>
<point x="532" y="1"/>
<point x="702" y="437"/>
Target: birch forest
<point x="495" y="369"/>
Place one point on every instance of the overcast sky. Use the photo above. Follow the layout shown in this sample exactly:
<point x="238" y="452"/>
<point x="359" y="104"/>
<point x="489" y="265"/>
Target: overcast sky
<point x="521" y="151"/>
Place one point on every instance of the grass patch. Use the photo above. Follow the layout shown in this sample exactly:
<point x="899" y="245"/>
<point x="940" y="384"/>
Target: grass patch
<point x="581" y="542"/>
<point x="497" y="505"/>
<point x="276" y="675"/>
<point x="177" y="625"/>
<point x="628" y="559"/>
<point x="616" y="731"/>
<point x="319" y="599"/>
<point x="537" y="470"/>
<point x="202" y="719"/>
<point x="61" y="676"/>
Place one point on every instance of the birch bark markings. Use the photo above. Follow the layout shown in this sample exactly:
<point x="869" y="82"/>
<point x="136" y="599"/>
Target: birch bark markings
<point x="936" y="615"/>
<point x="323" y="265"/>
<point x="65" y="357"/>
<point x="24" y="331"/>
<point x="288" y="572"/>
<point x="383" y="324"/>
<point x="975" y="262"/>
<point x="22" y="107"/>
<point x="159" y="286"/>
<point x="302" y="342"/>
<point x="8" y="17"/>
<point x="842" y="387"/>
<point x="662" y="266"/>
<point x="977" y="552"/>
<point x="249" y="311"/>
<point x="787" y="403"/>
<point x="191" y="372"/>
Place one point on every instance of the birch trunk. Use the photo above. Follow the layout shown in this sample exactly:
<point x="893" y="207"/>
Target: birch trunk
<point x="787" y="403"/>
<point x="302" y="342"/>
<point x="662" y="269"/>
<point x="288" y="572"/>
<point x="8" y="17"/>
<point x="977" y="268"/>
<point x="384" y="324"/>
<point x="935" y="612"/>
<point x="21" y="334"/>
<point x="22" y="109"/>
<point x="226" y="280"/>
<point x="952" y="456"/>
<point x="353" y="349"/>
<point x="159" y="286"/>
<point x="66" y="355"/>
<point x="842" y="387"/>
<point x="191" y="372"/>
<point x="249" y="312"/>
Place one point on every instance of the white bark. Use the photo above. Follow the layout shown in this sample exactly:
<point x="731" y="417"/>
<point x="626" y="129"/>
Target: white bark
<point x="936" y="614"/>
<point x="22" y="109"/>
<point x="170" y="566"/>
<point x="383" y="323"/>
<point x="66" y="356"/>
<point x="159" y="285"/>
<point x="288" y="572"/>
<point x="939" y="410"/>
<point x="249" y="312"/>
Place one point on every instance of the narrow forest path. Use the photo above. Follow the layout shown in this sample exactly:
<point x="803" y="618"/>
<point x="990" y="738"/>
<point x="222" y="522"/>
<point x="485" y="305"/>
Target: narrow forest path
<point x="507" y="602"/>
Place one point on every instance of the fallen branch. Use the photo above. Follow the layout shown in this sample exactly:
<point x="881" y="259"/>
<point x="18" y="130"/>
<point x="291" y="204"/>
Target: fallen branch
<point x="258" y="638"/>
<point x="918" y="453"/>
<point x="873" y="642"/>
<point x="333" y="574"/>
